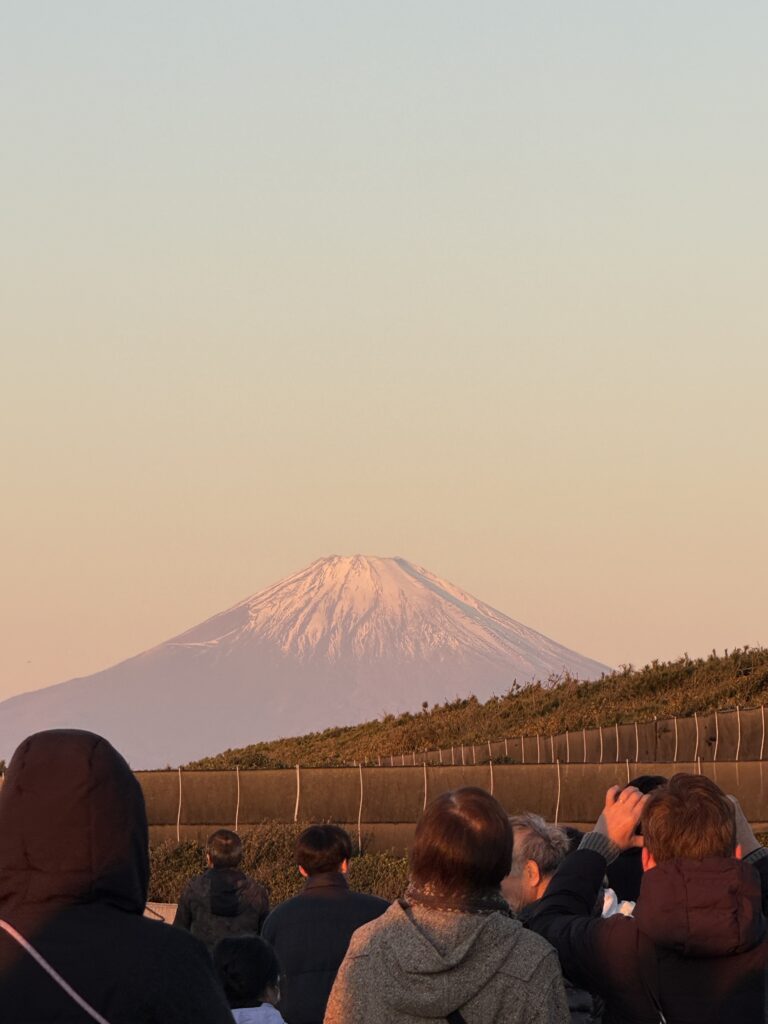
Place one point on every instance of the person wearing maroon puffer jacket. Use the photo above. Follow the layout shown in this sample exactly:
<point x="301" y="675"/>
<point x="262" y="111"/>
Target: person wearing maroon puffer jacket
<point x="697" y="946"/>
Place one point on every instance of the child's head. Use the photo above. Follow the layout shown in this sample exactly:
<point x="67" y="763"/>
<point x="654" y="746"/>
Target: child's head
<point x="248" y="969"/>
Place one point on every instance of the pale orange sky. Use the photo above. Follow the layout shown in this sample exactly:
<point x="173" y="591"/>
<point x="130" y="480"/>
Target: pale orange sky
<point x="483" y="292"/>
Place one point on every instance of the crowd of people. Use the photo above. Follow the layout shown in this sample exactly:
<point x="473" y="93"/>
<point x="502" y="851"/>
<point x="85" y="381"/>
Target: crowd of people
<point x="658" y="914"/>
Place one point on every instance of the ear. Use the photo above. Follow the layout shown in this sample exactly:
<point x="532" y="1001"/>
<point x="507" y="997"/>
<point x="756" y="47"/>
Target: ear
<point x="303" y="872"/>
<point x="738" y="853"/>
<point x="532" y="870"/>
<point x="647" y="858"/>
<point x="344" y="866"/>
<point x="208" y="861"/>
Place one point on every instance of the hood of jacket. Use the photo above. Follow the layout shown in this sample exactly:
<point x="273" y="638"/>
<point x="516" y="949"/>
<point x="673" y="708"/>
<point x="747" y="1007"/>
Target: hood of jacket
<point x="227" y="886"/>
<point x="73" y="826"/>
<point x="435" y="962"/>
<point x="707" y="908"/>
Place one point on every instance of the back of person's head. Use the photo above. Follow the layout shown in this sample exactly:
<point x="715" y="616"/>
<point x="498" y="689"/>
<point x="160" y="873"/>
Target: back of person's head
<point x="247" y="967"/>
<point x="689" y="817"/>
<point x="323" y="848"/>
<point x="73" y="825"/>
<point x="647" y="783"/>
<point x="546" y="845"/>
<point x="574" y="837"/>
<point x="225" y="848"/>
<point x="463" y="843"/>
<point x="539" y="850"/>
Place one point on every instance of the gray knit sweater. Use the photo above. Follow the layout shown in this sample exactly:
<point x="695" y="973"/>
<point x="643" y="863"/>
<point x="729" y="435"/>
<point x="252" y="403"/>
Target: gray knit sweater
<point x="415" y="964"/>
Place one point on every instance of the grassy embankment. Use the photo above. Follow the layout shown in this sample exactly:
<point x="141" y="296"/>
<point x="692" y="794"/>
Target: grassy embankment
<point x="661" y="688"/>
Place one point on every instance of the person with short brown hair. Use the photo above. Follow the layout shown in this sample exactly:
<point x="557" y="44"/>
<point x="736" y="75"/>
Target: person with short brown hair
<point x="451" y="948"/>
<point x="223" y="901"/>
<point x="689" y="817"/>
<point x="224" y="849"/>
<point x="311" y="931"/>
<point x="696" y="948"/>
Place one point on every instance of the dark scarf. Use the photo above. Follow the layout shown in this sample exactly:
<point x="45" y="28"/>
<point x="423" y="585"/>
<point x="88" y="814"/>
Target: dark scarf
<point x="489" y="902"/>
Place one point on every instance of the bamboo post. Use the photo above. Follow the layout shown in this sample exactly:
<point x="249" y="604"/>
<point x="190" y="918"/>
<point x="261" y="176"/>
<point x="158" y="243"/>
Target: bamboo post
<point x="178" y="812"/>
<point x="298" y="793"/>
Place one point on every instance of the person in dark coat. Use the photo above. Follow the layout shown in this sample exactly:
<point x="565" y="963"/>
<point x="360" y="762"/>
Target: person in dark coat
<point x="223" y="902"/>
<point x="74" y="869"/>
<point x="539" y="850"/>
<point x="311" y="932"/>
<point x="626" y="873"/>
<point x="696" y="948"/>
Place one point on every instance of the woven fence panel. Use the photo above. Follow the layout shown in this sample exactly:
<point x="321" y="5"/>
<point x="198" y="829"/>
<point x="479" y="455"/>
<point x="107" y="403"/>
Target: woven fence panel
<point x="330" y="794"/>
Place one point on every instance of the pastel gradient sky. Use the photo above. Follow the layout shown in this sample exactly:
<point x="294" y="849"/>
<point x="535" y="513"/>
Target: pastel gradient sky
<point x="481" y="285"/>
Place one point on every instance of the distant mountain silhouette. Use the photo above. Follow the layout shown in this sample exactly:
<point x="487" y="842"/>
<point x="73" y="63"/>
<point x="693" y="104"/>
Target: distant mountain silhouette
<point x="342" y="641"/>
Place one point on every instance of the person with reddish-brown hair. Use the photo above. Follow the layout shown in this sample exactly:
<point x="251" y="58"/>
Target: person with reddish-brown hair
<point x="696" y="948"/>
<point x="451" y="949"/>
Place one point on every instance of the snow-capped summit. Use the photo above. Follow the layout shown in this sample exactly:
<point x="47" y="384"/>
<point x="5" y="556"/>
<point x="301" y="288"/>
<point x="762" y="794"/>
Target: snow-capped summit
<point x="339" y="642"/>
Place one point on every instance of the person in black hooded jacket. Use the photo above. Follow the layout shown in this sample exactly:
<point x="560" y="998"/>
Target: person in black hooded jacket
<point x="696" y="948"/>
<point x="222" y="902"/>
<point x="74" y="870"/>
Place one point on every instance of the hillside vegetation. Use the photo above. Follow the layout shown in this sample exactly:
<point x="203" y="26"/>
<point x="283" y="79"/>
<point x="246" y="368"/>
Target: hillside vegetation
<point x="664" y="689"/>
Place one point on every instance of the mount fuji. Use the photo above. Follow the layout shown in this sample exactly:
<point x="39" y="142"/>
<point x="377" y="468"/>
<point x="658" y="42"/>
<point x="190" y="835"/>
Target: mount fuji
<point x="342" y="641"/>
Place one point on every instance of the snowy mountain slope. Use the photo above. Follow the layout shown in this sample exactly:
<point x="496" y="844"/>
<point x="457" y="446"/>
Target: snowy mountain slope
<point x="343" y="640"/>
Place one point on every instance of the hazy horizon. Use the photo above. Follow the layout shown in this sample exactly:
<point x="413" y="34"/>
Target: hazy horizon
<point x="479" y="287"/>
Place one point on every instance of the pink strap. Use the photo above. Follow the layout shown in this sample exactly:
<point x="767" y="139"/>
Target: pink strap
<point x="17" y="937"/>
